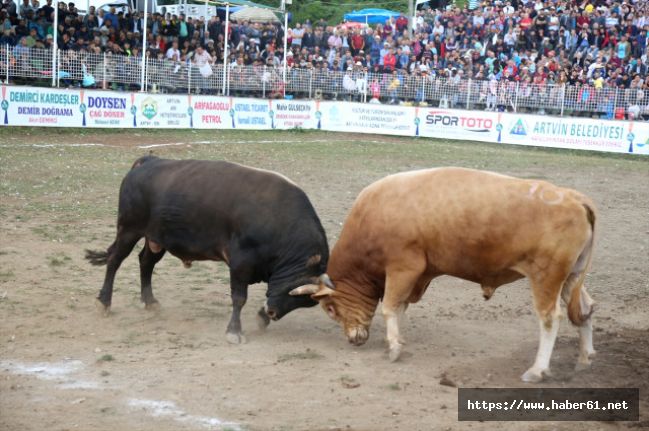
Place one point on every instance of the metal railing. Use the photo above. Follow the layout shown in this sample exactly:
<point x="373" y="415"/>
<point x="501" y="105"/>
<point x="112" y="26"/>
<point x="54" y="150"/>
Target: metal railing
<point x="22" y="65"/>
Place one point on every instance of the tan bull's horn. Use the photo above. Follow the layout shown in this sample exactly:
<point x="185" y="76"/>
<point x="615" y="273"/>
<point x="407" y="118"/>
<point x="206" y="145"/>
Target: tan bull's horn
<point x="307" y="289"/>
<point x="324" y="279"/>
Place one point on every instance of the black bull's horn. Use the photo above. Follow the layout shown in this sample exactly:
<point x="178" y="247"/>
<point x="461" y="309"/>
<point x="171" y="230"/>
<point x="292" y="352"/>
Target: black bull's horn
<point x="310" y="289"/>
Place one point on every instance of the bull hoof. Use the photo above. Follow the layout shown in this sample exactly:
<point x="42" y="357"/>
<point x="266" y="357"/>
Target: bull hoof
<point x="584" y="362"/>
<point x="104" y="310"/>
<point x="534" y="376"/>
<point x="262" y="320"/>
<point x="234" y="338"/>
<point x="395" y="352"/>
<point x="152" y="306"/>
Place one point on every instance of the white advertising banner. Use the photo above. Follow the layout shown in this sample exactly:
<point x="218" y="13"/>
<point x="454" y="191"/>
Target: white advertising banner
<point x="368" y="118"/>
<point x="253" y="114"/>
<point x="211" y="112"/>
<point x="638" y="137"/>
<point x="457" y="124"/>
<point x="106" y="109"/>
<point x="568" y="132"/>
<point x="36" y="106"/>
<point x="289" y="114"/>
<point x="169" y="111"/>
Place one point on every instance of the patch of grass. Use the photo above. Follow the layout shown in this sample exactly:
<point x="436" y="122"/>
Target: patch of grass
<point x="394" y="387"/>
<point x="58" y="259"/>
<point x="106" y="358"/>
<point x="306" y="355"/>
<point x="54" y="233"/>
<point x="7" y="275"/>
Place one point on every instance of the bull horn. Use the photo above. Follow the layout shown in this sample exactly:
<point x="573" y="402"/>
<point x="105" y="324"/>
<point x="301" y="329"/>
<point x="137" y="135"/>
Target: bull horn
<point x="324" y="279"/>
<point x="307" y="289"/>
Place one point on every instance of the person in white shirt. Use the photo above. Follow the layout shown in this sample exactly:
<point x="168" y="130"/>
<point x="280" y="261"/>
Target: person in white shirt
<point x="349" y="85"/>
<point x="202" y="57"/>
<point x="173" y="53"/>
<point x="478" y="19"/>
<point x="438" y="29"/>
<point x="203" y="61"/>
<point x="508" y="9"/>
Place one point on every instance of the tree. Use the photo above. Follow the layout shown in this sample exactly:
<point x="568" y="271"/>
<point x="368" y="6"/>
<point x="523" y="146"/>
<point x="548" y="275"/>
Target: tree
<point x="332" y="10"/>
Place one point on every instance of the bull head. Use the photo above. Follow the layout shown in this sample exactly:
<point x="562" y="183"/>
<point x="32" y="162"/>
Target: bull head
<point x="324" y="284"/>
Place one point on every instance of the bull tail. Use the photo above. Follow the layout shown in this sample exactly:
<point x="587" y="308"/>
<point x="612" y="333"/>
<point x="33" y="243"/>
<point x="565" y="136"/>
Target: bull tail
<point x="98" y="257"/>
<point x="580" y="305"/>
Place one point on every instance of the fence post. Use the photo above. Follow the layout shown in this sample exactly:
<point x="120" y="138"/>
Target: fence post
<point x="423" y="91"/>
<point x="226" y="81"/>
<point x="146" y="72"/>
<point x="615" y="103"/>
<point x="310" y="82"/>
<point x="189" y="79"/>
<point x="263" y="82"/>
<point x="468" y="94"/>
<point x="563" y="98"/>
<point x="518" y="87"/>
<point x="58" y="67"/>
<point x="8" y="63"/>
<point x="104" y="84"/>
<point x="367" y="84"/>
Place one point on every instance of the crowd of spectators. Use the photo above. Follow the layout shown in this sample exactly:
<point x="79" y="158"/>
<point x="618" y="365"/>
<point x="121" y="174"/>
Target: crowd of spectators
<point x="589" y="45"/>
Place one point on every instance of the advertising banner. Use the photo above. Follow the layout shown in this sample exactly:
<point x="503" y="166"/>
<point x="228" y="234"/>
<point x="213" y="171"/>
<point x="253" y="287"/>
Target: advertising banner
<point x="253" y="114"/>
<point x="289" y="114"/>
<point x="31" y="106"/>
<point x="211" y="112"/>
<point x="161" y="111"/>
<point x="457" y="124"/>
<point x="638" y="137"/>
<point x="36" y="106"/>
<point x="106" y="109"/>
<point x="567" y="132"/>
<point x="368" y="118"/>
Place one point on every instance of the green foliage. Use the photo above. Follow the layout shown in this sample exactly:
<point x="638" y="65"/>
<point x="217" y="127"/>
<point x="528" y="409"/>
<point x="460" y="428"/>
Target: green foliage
<point x="332" y="11"/>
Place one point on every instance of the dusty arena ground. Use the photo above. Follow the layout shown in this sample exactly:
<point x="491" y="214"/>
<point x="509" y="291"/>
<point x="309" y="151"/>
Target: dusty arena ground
<point x="63" y="366"/>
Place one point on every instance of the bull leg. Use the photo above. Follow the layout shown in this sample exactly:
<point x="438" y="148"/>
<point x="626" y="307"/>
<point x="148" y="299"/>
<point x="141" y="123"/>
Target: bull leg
<point x="148" y="260"/>
<point x="398" y="288"/>
<point x="262" y="319"/>
<point x="119" y="251"/>
<point x="548" y="309"/>
<point x="586" y="349"/>
<point x="239" y="291"/>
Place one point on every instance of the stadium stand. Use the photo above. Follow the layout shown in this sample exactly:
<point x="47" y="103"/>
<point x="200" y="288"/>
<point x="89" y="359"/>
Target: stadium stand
<point x="564" y="57"/>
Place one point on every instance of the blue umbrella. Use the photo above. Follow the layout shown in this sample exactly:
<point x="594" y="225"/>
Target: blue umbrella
<point x="371" y="16"/>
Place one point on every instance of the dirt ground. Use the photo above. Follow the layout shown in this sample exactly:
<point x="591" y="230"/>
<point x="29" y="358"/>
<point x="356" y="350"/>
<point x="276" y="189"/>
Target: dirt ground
<point x="63" y="366"/>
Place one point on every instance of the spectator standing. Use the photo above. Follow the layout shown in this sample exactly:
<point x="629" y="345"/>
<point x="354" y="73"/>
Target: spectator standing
<point x="357" y="42"/>
<point x="298" y="33"/>
<point x="112" y="17"/>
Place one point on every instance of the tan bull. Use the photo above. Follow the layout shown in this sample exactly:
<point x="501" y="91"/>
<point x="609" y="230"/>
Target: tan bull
<point x="409" y="228"/>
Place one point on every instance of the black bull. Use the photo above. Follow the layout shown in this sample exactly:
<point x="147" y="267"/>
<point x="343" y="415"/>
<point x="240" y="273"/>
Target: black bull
<point x="258" y="222"/>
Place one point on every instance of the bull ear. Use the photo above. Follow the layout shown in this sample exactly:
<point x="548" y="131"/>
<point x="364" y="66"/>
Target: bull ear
<point x="331" y="311"/>
<point x="322" y="293"/>
<point x="307" y="289"/>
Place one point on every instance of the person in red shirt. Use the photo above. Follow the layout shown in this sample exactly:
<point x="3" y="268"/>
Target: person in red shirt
<point x="358" y="42"/>
<point x="526" y="22"/>
<point x="387" y="29"/>
<point x="582" y="19"/>
<point x="401" y="23"/>
<point x="389" y="60"/>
